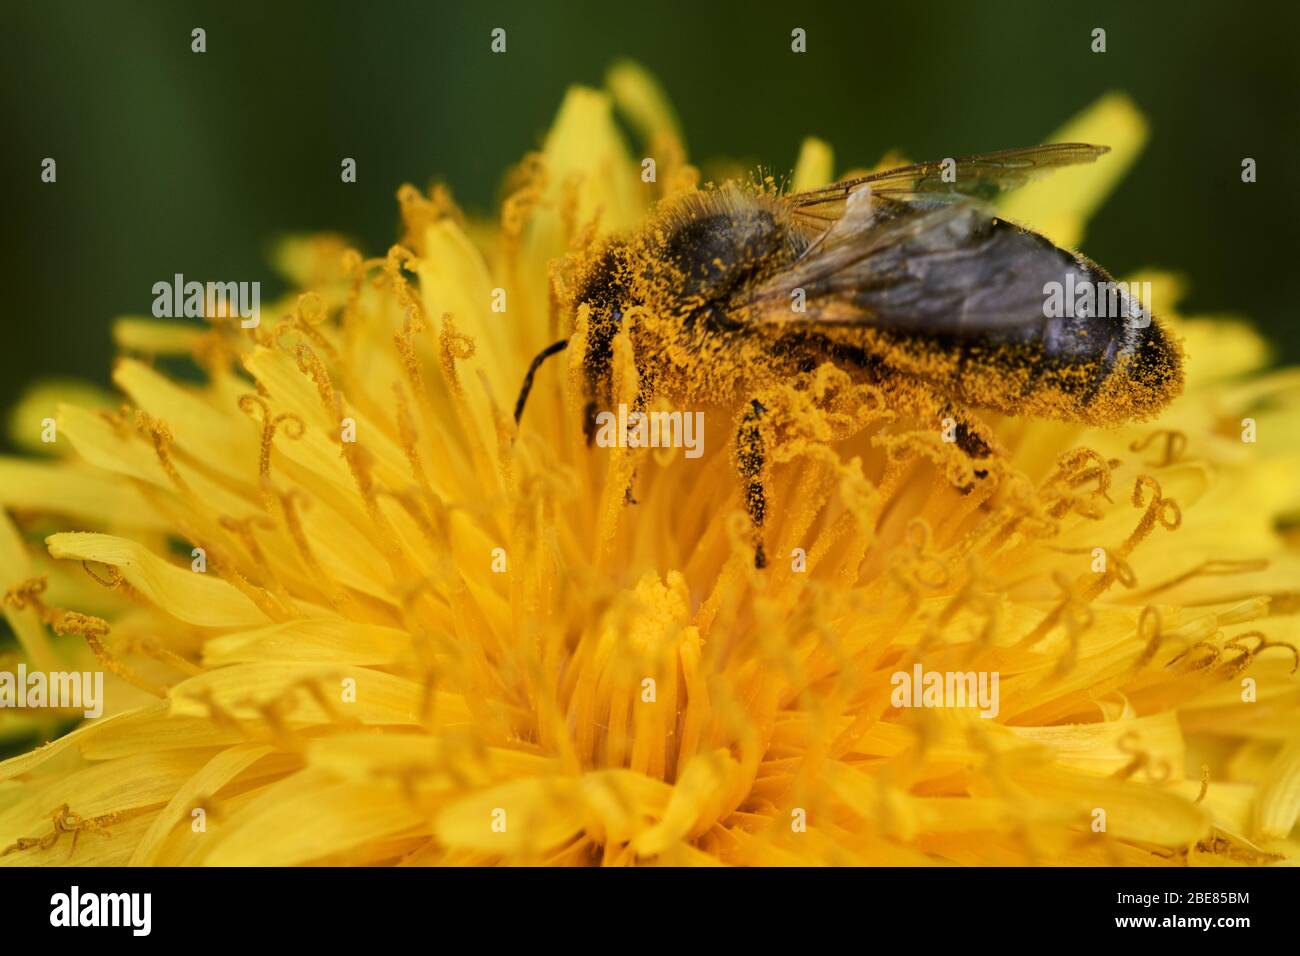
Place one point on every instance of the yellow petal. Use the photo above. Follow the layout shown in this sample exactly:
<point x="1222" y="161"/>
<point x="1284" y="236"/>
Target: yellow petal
<point x="26" y="763"/>
<point x="74" y="492"/>
<point x="156" y="337"/>
<point x="1104" y="748"/>
<point x="519" y="817"/>
<point x="303" y="818"/>
<point x="323" y="641"/>
<point x="815" y="166"/>
<point x="195" y="598"/>
<point x="214" y="775"/>
<point x="311" y="694"/>
<point x="30" y="418"/>
<point x="153" y="728"/>
<point x="642" y="100"/>
<point x="1279" y="797"/>
<point x="696" y="798"/>
<point x="1219" y="349"/>
<point x="15" y="568"/>
<point x="226" y="441"/>
<point x="120" y="787"/>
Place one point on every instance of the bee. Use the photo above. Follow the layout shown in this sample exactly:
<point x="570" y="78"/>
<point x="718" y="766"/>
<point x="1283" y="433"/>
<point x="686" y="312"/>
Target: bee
<point x="905" y="279"/>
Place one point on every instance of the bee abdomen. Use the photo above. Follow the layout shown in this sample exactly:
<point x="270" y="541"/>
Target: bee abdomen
<point x="1096" y="355"/>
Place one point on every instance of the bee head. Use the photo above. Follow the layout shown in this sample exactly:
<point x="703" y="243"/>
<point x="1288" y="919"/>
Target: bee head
<point x="706" y="247"/>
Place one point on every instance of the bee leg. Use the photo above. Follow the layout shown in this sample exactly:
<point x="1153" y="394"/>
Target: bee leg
<point x="971" y="441"/>
<point x="594" y="367"/>
<point x="639" y="408"/>
<point x="751" y="457"/>
<point x="589" y="415"/>
<point x="960" y="426"/>
<point x="976" y="440"/>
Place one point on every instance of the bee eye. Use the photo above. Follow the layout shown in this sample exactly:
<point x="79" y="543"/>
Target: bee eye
<point x="616" y="314"/>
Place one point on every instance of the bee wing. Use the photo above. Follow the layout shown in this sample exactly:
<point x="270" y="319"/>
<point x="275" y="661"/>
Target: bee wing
<point x="949" y="266"/>
<point x="983" y="176"/>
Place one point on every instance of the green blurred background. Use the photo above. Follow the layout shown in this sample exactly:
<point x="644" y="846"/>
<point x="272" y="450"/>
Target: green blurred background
<point x="171" y="162"/>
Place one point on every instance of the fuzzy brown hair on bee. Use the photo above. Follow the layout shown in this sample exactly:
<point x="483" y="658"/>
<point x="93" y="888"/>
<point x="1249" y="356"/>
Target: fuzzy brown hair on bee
<point x="904" y="279"/>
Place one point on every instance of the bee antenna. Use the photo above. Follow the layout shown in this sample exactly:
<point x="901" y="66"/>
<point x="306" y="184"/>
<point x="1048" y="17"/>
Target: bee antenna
<point x="555" y="348"/>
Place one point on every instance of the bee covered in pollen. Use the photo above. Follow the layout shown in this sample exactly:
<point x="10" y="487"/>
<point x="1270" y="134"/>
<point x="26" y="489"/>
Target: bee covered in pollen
<point x="904" y="279"/>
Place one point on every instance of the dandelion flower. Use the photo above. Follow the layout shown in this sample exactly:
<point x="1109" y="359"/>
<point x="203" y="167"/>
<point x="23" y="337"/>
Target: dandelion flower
<point x="351" y="614"/>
